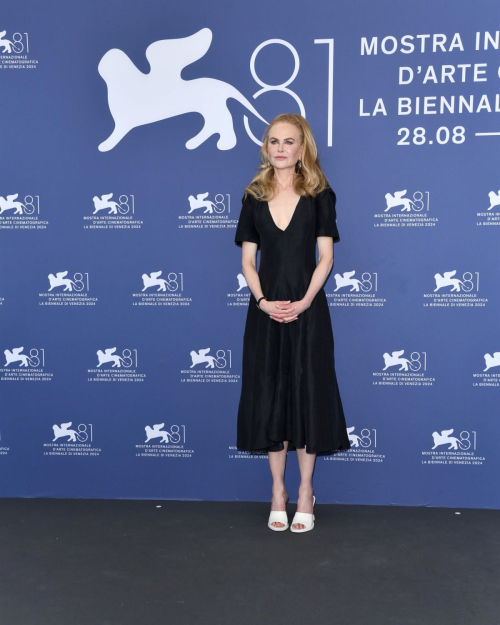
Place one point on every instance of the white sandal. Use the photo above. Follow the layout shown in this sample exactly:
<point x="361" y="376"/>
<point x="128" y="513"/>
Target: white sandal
<point x="278" y="516"/>
<point x="303" y="518"/>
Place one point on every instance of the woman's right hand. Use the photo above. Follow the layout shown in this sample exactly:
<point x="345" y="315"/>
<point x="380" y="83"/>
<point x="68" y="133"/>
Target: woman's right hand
<point x="276" y="309"/>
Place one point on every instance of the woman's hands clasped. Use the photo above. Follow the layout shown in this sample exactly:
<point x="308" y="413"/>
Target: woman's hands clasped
<point x="284" y="311"/>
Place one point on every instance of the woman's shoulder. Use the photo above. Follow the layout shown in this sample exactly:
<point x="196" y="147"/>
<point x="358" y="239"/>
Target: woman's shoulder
<point x="327" y="191"/>
<point x="249" y="197"/>
<point x="251" y="200"/>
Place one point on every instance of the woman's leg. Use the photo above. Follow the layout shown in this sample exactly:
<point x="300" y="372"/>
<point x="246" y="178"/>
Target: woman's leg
<point x="305" y="500"/>
<point x="277" y="462"/>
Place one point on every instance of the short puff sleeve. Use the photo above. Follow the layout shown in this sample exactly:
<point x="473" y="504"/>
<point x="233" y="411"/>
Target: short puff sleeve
<point x="326" y="215"/>
<point x="246" y="230"/>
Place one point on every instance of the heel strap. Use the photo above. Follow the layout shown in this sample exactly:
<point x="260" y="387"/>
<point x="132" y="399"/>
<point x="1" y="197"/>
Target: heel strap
<point x="278" y="516"/>
<point x="303" y="518"/>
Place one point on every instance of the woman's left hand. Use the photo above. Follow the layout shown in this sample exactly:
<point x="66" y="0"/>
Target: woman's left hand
<point x="290" y="312"/>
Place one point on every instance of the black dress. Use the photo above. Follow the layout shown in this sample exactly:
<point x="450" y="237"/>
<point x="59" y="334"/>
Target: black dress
<point x="289" y="387"/>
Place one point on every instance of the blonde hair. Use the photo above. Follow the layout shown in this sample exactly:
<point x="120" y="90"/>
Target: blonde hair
<point x="309" y="179"/>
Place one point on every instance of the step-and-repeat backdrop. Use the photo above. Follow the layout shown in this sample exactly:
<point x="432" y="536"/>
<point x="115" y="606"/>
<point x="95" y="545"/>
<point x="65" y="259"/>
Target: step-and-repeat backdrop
<point x="129" y="131"/>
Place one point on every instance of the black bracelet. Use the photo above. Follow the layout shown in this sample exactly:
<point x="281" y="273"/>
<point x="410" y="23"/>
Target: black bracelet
<point x="261" y="298"/>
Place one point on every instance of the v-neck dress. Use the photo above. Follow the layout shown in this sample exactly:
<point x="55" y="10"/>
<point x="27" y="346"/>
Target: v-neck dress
<point x="289" y="389"/>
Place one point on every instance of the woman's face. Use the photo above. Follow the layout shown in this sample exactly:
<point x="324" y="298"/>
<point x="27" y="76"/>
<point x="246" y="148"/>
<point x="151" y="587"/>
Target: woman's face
<point x="283" y="145"/>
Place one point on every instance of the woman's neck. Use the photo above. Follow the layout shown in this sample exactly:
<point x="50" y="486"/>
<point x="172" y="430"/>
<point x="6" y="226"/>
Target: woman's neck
<point x="284" y="182"/>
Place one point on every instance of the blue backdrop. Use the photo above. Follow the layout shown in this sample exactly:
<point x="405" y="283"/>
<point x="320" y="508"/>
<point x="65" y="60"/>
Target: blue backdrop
<point x="129" y="131"/>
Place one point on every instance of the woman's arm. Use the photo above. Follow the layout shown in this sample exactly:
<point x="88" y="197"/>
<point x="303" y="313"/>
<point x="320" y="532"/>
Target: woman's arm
<point x="249" y="268"/>
<point x="323" y="268"/>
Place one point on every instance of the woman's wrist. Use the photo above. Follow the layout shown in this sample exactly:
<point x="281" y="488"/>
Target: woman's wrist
<point x="259" y="300"/>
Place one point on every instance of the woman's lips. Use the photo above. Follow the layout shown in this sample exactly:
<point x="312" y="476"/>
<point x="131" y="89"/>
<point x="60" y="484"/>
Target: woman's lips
<point x="280" y="157"/>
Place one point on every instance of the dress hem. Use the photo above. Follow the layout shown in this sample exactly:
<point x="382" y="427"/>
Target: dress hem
<point x="292" y="447"/>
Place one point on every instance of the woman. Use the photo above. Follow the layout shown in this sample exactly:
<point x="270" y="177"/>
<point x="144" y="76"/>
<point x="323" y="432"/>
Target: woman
<point x="289" y="396"/>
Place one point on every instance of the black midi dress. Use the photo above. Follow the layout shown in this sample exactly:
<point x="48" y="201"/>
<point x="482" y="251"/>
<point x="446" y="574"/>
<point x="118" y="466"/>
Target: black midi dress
<point x="289" y="388"/>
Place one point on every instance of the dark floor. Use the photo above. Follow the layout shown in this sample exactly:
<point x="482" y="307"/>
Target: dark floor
<point x="114" y="562"/>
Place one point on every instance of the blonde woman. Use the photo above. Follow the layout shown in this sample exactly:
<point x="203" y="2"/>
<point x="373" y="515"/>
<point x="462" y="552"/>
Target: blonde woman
<point x="289" y="394"/>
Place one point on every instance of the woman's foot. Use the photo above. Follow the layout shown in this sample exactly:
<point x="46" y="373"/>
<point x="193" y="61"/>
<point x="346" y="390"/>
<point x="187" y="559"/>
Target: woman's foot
<point x="278" y="503"/>
<point x="304" y="504"/>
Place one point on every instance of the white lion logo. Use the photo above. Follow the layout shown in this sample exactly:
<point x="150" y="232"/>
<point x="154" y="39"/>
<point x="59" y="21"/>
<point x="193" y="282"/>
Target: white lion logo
<point x="64" y="430"/>
<point x="15" y="355"/>
<point x="136" y="99"/>
<point x="444" y="439"/>
<point x="108" y="355"/>
<point x="494" y="199"/>
<point x="398" y="200"/>
<point x="200" y="356"/>
<point x="394" y="359"/>
<point x="346" y="279"/>
<point x="103" y="202"/>
<point x="447" y="280"/>
<point x="353" y="438"/>
<point x="157" y="432"/>
<point x="60" y="280"/>
<point x="5" y="43"/>
<point x="9" y="203"/>
<point x="200" y="201"/>
<point x="154" y="280"/>
<point x="491" y="361"/>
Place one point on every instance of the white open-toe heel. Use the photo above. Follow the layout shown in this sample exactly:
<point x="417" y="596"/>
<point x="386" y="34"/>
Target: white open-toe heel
<point x="303" y="518"/>
<point x="278" y="516"/>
